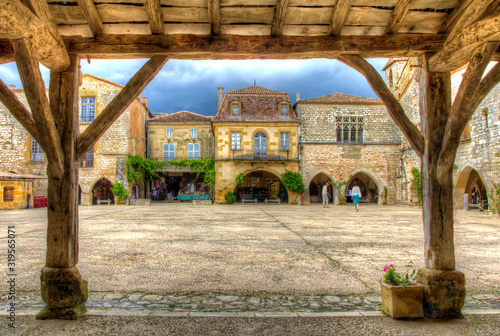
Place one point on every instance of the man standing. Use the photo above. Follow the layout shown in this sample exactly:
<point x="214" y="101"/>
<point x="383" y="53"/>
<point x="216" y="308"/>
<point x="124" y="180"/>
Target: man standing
<point x="326" y="195"/>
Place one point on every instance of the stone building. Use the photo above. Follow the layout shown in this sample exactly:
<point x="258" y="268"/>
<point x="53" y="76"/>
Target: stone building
<point x="350" y="138"/>
<point x="180" y="135"/>
<point x="256" y="134"/>
<point x="477" y="163"/>
<point x="103" y="165"/>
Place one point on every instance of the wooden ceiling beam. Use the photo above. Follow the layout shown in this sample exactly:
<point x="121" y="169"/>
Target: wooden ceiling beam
<point x="456" y="52"/>
<point x="279" y="17"/>
<point x="38" y="28"/>
<point x="155" y="15"/>
<point x="468" y="12"/>
<point x="197" y="47"/>
<point x="397" y="16"/>
<point x="339" y="16"/>
<point x="92" y="16"/>
<point x="214" y="16"/>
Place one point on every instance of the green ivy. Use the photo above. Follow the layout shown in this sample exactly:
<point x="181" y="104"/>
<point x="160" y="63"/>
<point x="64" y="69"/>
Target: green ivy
<point x="293" y="181"/>
<point x="494" y="197"/>
<point x="239" y="179"/>
<point x="230" y="197"/>
<point x="199" y="166"/>
<point x="417" y="180"/>
<point x="139" y="168"/>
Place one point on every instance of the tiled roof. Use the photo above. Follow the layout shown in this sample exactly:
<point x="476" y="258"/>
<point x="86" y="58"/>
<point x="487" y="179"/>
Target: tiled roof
<point x="102" y="80"/>
<point x="255" y="89"/>
<point x="182" y="116"/>
<point x="341" y="98"/>
<point x="257" y="104"/>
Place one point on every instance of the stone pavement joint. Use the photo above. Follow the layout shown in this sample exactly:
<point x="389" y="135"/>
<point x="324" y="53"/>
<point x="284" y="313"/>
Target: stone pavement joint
<point x="225" y="305"/>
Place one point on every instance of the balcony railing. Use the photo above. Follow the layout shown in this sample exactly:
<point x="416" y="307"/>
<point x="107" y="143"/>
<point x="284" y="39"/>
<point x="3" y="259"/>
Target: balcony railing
<point x="168" y="158"/>
<point x="261" y="157"/>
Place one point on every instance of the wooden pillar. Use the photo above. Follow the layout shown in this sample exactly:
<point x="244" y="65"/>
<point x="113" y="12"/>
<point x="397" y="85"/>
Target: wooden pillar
<point x="63" y="289"/>
<point x="444" y="292"/>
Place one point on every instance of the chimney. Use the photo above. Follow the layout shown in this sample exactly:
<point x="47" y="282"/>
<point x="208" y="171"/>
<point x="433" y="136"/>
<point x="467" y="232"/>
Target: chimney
<point x="219" y="97"/>
<point x="298" y="96"/>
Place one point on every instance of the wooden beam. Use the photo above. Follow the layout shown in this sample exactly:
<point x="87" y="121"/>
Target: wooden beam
<point x="471" y="92"/>
<point x="92" y="16"/>
<point x="396" y="111"/>
<point x="214" y="16"/>
<point x="18" y="110"/>
<point x="116" y="107"/>
<point x="253" y="47"/>
<point x="397" y="16"/>
<point x="456" y="52"/>
<point x="155" y="15"/>
<point x="467" y="13"/>
<point x="17" y="21"/>
<point x="279" y="17"/>
<point x="34" y="88"/>
<point x="339" y="15"/>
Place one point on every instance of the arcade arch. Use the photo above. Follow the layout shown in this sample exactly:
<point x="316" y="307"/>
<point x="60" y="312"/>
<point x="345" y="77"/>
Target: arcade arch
<point x="262" y="184"/>
<point x="369" y="186"/>
<point x="469" y="182"/>
<point x="101" y="191"/>
<point x="316" y="186"/>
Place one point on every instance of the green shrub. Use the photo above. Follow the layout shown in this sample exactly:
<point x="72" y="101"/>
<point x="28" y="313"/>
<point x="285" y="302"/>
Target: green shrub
<point x="230" y="197"/>
<point x="417" y="180"/>
<point x="240" y="179"/>
<point x="119" y="191"/>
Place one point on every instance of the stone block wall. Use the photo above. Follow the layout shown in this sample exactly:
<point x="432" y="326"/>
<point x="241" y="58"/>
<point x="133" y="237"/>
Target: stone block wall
<point x="23" y="194"/>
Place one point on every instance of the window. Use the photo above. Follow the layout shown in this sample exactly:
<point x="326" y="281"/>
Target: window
<point x="285" y="141"/>
<point x="87" y="109"/>
<point x="235" y="109"/>
<point x="194" y="150"/>
<point x="283" y="108"/>
<point x="8" y="194"/>
<point x="260" y="145"/>
<point x="88" y="159"/>
<point x="193" y="132"/>
<point x="169" y="133"/>
<point x="235" y="140"/>
<point x="349" y="129"/>
<point x="168" y="151"/>
<point x="36" y="151"/>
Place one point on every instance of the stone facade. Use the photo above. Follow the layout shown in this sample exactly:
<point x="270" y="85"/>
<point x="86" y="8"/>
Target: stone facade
<point x="16" y="193"/>
<point x="261" y="115"/>
<point x="477" y="163"/>
<point x="126" y="135"/>
<point x="371" y="154"/>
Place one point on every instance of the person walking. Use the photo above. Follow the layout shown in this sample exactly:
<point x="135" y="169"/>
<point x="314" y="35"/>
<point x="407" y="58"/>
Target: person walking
<point x="356" y="194"/>
<point x="326" y="195"/>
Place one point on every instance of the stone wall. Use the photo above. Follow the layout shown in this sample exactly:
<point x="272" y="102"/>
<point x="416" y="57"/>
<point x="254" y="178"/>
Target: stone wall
<point x="23" y="194"/>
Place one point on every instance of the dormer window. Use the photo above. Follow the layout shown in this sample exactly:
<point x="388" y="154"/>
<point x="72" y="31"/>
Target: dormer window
<point x="235" y="108"/>
<point x="284" y="108"/>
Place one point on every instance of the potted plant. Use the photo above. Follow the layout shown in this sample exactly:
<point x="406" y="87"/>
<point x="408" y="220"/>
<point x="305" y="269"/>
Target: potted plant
<point x="402" y="297"/>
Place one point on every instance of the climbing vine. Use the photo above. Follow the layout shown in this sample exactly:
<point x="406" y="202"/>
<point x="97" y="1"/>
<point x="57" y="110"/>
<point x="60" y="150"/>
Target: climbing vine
<point x="417" y="180"/>
<point x="239" y="179"/>
<point x="341" y="186"/>
<point x="199" y="166"/>
<point x="293" y="181"/>
<point x="494" y="197"/>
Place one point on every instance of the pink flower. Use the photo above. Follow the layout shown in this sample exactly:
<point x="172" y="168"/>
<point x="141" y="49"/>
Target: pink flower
<point x="385" y="269"/>
<point x="390" y="265"/>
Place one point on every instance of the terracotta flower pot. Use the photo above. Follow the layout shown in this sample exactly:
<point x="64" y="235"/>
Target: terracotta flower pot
<point x="402" y="301"/>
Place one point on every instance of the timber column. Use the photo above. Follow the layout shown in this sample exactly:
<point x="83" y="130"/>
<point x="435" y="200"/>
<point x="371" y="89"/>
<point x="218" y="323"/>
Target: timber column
<point x="63" y="290"/>
<point x="444" y="291"/>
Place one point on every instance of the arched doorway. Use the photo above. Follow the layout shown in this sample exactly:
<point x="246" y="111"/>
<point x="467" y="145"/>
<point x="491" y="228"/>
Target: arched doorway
<point x="368" y="187"/>
<point x="316" y="186"/>
<point x="261" y="185"/>
<point x="102" y="191"/>
<point x="470" y="184"/>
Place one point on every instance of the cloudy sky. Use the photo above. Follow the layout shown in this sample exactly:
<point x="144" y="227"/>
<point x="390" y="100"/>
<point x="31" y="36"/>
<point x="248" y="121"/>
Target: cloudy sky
<point x="192" y="85"/>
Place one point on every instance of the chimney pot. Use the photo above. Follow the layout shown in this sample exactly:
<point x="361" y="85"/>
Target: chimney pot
<point x="219" y="97"/>
<point x="298" y="96"/>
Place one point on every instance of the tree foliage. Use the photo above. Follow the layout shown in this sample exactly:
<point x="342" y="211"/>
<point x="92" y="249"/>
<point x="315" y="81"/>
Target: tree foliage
<point x="119" y="191"/>
<point x="230" y="197"/>
<point x="199" y="166"/>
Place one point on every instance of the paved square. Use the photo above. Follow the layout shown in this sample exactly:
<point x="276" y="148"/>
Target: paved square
<point x="248" y="248"/>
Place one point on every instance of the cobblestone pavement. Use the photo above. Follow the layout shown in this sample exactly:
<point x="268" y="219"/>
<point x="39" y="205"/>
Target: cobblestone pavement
<point x="247" y="259"/>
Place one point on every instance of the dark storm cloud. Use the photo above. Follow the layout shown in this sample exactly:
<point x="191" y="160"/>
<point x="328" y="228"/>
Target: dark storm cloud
<point x="192" y="85"/>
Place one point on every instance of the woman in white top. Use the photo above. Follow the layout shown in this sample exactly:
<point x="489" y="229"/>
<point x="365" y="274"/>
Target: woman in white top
<point x="356" y="195"/>
<point x="325" y="195"/>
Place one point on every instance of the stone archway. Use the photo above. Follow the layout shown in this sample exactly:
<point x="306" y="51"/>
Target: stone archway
<point x="101" y="191"/>
<point x="316" y="186"/>
<point x="261" y="185"/>
<point x="371" y="189"/>
<point x="470" y="182"/>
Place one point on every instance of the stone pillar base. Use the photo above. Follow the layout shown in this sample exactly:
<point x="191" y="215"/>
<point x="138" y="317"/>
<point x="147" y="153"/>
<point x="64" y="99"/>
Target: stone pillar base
<point x="444" y="293"/>
<point x="64" y="293"/>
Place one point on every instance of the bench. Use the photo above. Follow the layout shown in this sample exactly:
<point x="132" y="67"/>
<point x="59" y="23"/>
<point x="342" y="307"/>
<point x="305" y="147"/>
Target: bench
<point x="478" y="206"/>
<point x="276" y="200"/>
<point x="364" y="200"/>
<point x="248" y="200"/>
<point x="104" y="201"/>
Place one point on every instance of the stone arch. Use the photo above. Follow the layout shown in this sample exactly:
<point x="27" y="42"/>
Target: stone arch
<point x="315" y="186"/>
<point x="370" y="194"/>
<point x="101" y="190"/>
<point x="471" y="182"/>
<point x="273" y="190"/>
